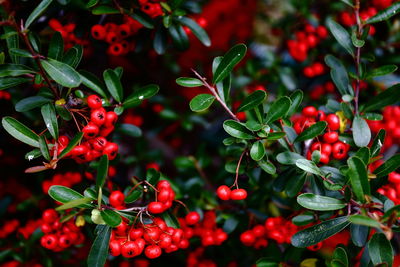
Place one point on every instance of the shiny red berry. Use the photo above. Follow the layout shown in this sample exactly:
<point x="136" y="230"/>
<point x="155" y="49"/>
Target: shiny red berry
<point x="192" y="218"/>
<point x="115" y="248"/>
<point x="90" y="130"/>
<point x="238" y="194"/>
<point x="310" y="111"/>
<point x="152" y="251"/>
<point x="333" y="122"/>
<point x="98" y="116"/>
<point x="224" y="192"/>
<point x="94" y="102"/>
<point x="111" y="150"/>
<point x="156" y="207"/>
<point x="330" y="137"/>
<point x="117" y="198"/>
<point x="130" y="249"/>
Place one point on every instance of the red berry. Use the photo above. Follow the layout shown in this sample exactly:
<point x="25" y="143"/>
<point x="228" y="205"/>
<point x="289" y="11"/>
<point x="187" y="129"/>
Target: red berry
<point x="111" y="118"/>
<point x="121" y="228"/>
<point x="247" y="238"/>
<point x="115" y="248"/>
<point x="98" y="116"/>
<point x="333" y="122"/>
<point x="238" y="194"/>
<point x="90" y="130"/>
<point x="224" y="192"/>
<point x="64" y="241"/>
<point x="259" y="230"/>
<point x="331" y="137"/>
<point x="308" y="72"/>
<point x="49" y="241"/>
<point x="111" y="150"/>
<point x="339" y="150"/>
<point x="156" y="207"/>
<point x="130" y="249"/>
<point x="98" y="143"/>
<point x="192" y="218"/>
<point x="152" y="251"/>
<point x="136" y="233"/>
<point x="117" y="198"/>
<point x="310" y="111"/>
<point x="94" y="102"/>
<point x="49" y="215"/>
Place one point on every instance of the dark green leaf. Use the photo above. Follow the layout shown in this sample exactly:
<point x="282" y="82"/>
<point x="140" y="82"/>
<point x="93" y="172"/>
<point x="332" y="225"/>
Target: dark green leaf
<point x="228" y="62"/>
<point x="14" y="70"/>
<point x="143" y="19"/>
<point x="44" y="149"/>
<point x="102" y="171"/>
<point x="267" y="166"/>
<point x="312" y="131"/>
<point x="129" y="129"/>
<point x="170" y="220"/>
<point x="372" y="116"/>
<point x="364" y="220"/>
<point x="340" y="255"/>
<point x="111" y="218"/>
<point x="380" y="250"/>
<point x="132" y="197"/>
<point x="75" y="203"/>
<point x="33" y="154"/>
<point x="56" y="47"/>
<point x="179" y="36"/>
<point x="296" y="97"/>
<point x="31" y="102"/>
<point x="359" y="234"/>
<point x="91" y="81"/>
<point x="61" y="73"/>
<point x="381" y="71"/>
<point x="201" y="102"/>
<point x="302" y="220"/>
<point x="278" y="109"/>
<point x="198" y="31"/>
<point x="8" y="82"/>
<point x="378" y="143"/>
<point x="317" y="202"/>
<point x="341" y="35"/>
<point x="363" y="154"/>
<point x="357" y="174"/>
<point x="236" y="129"/>
<point x="103" y="9"/>
<point x="339" y="74"/>
<point x="257" y="151"/>
<point x="63" y="194"/>
<point x="189" y="82"/>
<point x="20" y="52"/>
<point x="309" y="166"/>
<point x="71" y="145"/>
<point x="73" y="56"/>
<point x="317" y="233"/>
<point x="388" y="166"/>
<point x="252" y="100"/>
<point x="50" y="119"/>
<point x="99" y="250"/>
<point x="44" y="4"/>
<point x="288" y="158"/>
<point x="113" y="84"/>
<point x="152" y="176"/>
<point x="20" y="131"/>
<point x="386" y="98"/>
<point x="385" y="14"/>
<point x="361" y="132"/>
<point x="141" y="94"/>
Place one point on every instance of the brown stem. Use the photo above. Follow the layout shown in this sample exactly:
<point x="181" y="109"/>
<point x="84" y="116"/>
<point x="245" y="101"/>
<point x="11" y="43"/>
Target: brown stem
<point x="291" y="146"/>
<point x="214" y="92"/>
<point x="237" y="169"/>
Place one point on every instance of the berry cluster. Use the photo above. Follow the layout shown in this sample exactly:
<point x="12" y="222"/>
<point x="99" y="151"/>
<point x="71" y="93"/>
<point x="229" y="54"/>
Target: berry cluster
<point x="328" y="144"/>
<point x="279" y="229"/>
<point x="314" y="69"/>
<point x="67" y="179"/>
<point x="8" y="228"/>
<point x="164" y="198"/>
<point x="256" y="237"/>
<point x="67" y="32"/>
<point x="101" y="124"/>
<point x="392" y="190"/>
<point x="117" y="35"/>
<point x="225" y="193"/>
<point x="349" y="19"/>
<point x="30" y="226"/>
<point x="57" y="235"/>
<point x="318" y="91"/>
<point x="391" y="123"/>
<point x="306" y="39"/>
<point x="151" y="8"/>
<point x="152" y="239"/>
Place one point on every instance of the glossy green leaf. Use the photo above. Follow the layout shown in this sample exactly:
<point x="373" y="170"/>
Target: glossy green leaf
<point x="359" y="234"/>
<point x="388" y="166"/>
<point x="319" y="232"/>
<point x="91" y="81"/>
<point x="253" y="100"/>
<point x="44" y="4"/>
<point x="380" y="250"/>
<point x="179" y="36"/>
<point x="111" y="217"/>
<point x="357" y="174"/>
<point x="133" y="196"/>
<point x="341" y="35"/>
<point x="75" y="203"/>
<point x="56" y="47"/>
<point x="71" y="145"/>
<point x="113" y="84"/>
<point x="201" y="102"/>
<point x="236" y="129"/>
<point x="364" y="220"/>
<point x="385" y="14"/>
<point x="73" y="56"/>
<point x="99" y="250"/>
<point x="312" y="131"/>
<point x="104" y="9"/>
<point x="288" y="158"/>
<point x="296" y="97"/>
<point x="129" y="129"/>
<point x="198" y="31"/>
<point x="257" y="151"/>
<point x="309" y="166"/>
<point x="361" y="132"/>
<point x="31" y="102"/>
<point x="267" y="166"/>
<point x="340" y="255"/>
<point x="229" y="61"/>
<point x="44" y="149"/>
<point x="8" y="82"/>
<point x="278" y="109"/>
<point x="61" y="73"/>
<point x="14" y="70"/>
<point x="170" y="220"/>
<point x="363" y="154"/>
<point x="338" y="74"/>
<point x="381" y="71"/>
<point x="143" y="19"/>
<point x="385" y="98"/>
<point x="378" y="143"/>
<point x="142" y="93"/>
<point x="321" y="203"/>
<point x="20" y="131"/>
<point x="102" y="171"/>
<point x="189" y="82"/>
<point x="50" y="119"/>
<point x="63" y="194"/>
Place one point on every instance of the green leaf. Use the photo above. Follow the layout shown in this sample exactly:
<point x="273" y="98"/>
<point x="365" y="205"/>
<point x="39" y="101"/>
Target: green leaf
<point x="198" y="31"/>
<point x="288" y="158"/>
<point x="341" y="35"/>
<point x="257" y="151"/>
<point x="75" y="203"/>
<point x="160" y="39"/>
<point x="71" y="145"/>
<point x="275" y="135"/>
<point x="339" y="74"/>
<point x="312" y="131"/>
<point x="50" y="119"/>
<point x="380" y="250"/>
<point x="354" y="39"/>
<point x="8" y="82"/>
<point x="33" y="154"/>
<point x="61" y="73"/>
<point x="229" y="61"/>
<point x="14" y="70"/>
<point x="99" y="250"/>
<point x="91" y="81"/>
<point x="73" y="56"/>
<point x="12" y="42"/>
<point x="363" y="154"/>
<point x="44" y="149"/>
<point x="319" y="232"/>
<point x="385" y="98"/>
<point x="381" y="71"/>
<point x="31" y="102"/>
<point x="129" y="129"/>
<point x="189" y="82"/>
<point x="340" y="255"/>
<point x="309" y="166"/>
<point x="132" y="197"/>
<point x="278" y="109"/>
<point x="63" y="194"/>
<point x="179" y="36"/>
<point x="103" y="9"/>
<point x="170" y="220"/>
<point x="56" y="47"/>
<point x="317" y="202"/>
<point x="111" y="217"/>
<point x="266" y="262"/>
<point x="37" y="12"/>
<point x="152" y="176"/>
<point x="385" y="14"/>
<point x="113" y="84"/>
<point x="388" y="166"/>
<point x="201" y="102"/>
<point x="372" y="116"/>
<point x="361" y="132"/>
<point x="142" y="93"/>
<point x="359" y="234"/>
<point x="296" y="97"/>
<point x="20" y="131"/>
<point x="389" y="212"/>
<point x="357" y="174"/>
<point x="363" y="220"/>
<point x="102" y="171"/>
<point x="267" y="166"/>
<point x="253" y="100"/>
<point x="378" y="143"/>
<point x="143" y="19"/>
<point x="236" y="129"/>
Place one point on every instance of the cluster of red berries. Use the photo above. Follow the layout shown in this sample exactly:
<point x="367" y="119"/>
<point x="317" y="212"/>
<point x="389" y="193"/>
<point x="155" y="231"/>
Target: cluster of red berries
<point x="57" y="235"/>
<point x="206" y="230"/>
<point x="225" y="193"/>
<point x="101" y="124"/>
<point x="309" y="38"/>
<point x="279" y="229"/>
<point x="152" y="239"/>
<point x="164" y="199"/>
<point x="328" y="144"/>
<point x="67" y="179"/>
<point x="255" y="237"/>
<point x="151" y="8"/>
<point x="116" y="35"/>
<point x="314" y="69"/>
<point x="392" y="190"/>
<point x="69" y="37"/>
<point x="349" y="19"/>
<point x="382" y="4"/>
<point x="5" y="95"/>
<point x="8" y="228"/>
<point x="391" y="123"/>
<point x="322" y="89"/>
<point x="30" y="226"/>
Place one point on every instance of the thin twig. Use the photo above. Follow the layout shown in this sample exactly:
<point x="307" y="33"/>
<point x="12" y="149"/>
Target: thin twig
<point x="237" y="169"/>
<point x="358" y="55"/>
